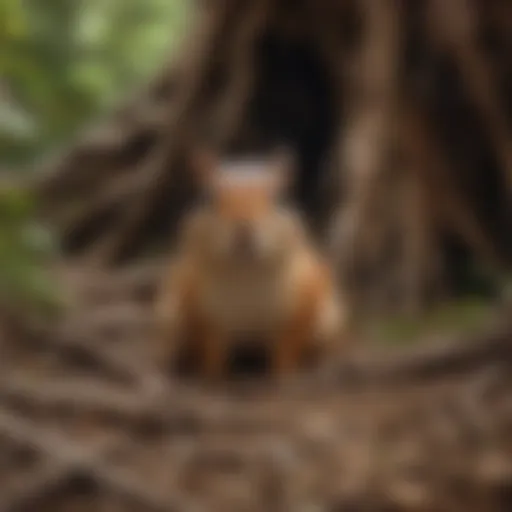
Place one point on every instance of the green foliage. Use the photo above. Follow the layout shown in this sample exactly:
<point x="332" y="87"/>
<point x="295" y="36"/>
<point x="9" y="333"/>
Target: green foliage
<point x="461" y="316"/>
<point x="63" y="62"/>
<point x="25" y="247"/>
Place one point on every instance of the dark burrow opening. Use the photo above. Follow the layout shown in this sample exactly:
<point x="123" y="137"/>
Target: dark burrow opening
<point x="293" y="106"/>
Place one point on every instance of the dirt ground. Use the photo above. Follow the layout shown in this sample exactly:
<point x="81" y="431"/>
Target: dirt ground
<point x="422" y="430"/>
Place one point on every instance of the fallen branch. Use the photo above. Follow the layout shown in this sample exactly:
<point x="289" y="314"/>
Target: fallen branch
<point x="177" y="408"/>
<point x="98" y="286"/>
<point x="73" y="461"/>
<point x="436" y="361"/>
<point x="84" y="348"/>
<point x="32" y="490"/>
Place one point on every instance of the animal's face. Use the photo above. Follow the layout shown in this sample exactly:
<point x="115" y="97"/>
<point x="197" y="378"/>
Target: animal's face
<point x="245" y="210"/>
<point x="247" y="219"/>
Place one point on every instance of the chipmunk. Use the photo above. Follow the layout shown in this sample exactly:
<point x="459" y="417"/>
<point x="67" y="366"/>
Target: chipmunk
<point x="246" y="266"/>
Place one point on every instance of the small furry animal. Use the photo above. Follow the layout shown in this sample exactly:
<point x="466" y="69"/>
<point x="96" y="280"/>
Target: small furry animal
<point x="245" y="266"/>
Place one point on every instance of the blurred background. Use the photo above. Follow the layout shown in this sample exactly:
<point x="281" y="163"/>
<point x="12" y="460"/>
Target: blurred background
<point x="400" y="115"/>
<point x="339" y="96"/>
<point x="65" y="64"/>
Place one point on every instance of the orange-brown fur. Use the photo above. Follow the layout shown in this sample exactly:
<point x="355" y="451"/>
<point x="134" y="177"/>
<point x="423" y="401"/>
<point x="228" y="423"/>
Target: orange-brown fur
<point x="299" y="329"/>
<point x="289" y="282"/>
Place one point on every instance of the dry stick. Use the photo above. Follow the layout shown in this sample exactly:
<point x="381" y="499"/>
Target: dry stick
<point x="420" y="249"/>
<point x="109" y="245"/>
<point x="422" y="252"/>
<point x="455" y="25"/>
<point x="51" y="445"/>
<point x="76" y="460"/>
<point x="151" y="116"/>
<point x="129" y="487"/>
<point x="227" y="114"/>
<point x="155" y="167"/>
<point x="120" y="317"/>
<point x="451" y="203"/>
<point x="442" y="359"/>
<point x="54" y="175"/>
<point x="124" y="366"/>
<point x="436" y="361"/>
<point x="25" y="494"/>
<point x="84" y="394"/>
<point x="81" y="344"/>
<point x="96" y="285"/>
<point x="70" y="177"/>
<point x="83" y="167"/>
<point x="114" y="194"/>
<point x="365" y="143"/>
<point x="180" y="410"/>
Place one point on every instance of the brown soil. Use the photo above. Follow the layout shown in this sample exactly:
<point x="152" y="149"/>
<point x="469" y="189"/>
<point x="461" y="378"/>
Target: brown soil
<point x="429" y="430"/>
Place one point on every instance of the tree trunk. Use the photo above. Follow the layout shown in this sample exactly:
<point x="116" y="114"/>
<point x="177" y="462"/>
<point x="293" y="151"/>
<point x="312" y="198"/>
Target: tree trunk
<point x="398" y="108"/>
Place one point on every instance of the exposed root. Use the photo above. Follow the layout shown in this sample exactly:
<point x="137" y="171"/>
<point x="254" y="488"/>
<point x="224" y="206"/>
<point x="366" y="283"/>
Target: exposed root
<point x="445" y="407"/>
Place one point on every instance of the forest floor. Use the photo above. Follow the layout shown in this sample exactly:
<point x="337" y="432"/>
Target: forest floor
<point x="421" y="428"/>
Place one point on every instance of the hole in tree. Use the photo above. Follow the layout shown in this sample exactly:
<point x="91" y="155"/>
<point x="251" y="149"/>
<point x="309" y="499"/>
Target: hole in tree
<point x="293" y="105"/>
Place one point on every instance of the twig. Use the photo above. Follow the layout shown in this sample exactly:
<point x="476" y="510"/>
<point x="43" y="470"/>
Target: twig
<point x="18" y="497"/>
<point x="84" y="346"/>
<point x="97" y="286"/>
<point x="455" y="24"/>
<point x="444" y="359"/>
<point x="74" y="460"/>
<point x="154" y="167"/>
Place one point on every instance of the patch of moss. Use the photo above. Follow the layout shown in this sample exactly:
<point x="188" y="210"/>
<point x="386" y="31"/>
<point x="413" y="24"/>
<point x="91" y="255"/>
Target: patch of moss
<point x="455" y="317"/>
<point x="26" y="251"/>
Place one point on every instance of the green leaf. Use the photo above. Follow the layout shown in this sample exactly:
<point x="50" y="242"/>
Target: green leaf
<point x="16" y="122"/>
<point x="15" y="205"/>
<point x="39" y="240"/>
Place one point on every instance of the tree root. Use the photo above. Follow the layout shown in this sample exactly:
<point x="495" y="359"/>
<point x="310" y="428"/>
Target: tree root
<point x="70" y="462"/>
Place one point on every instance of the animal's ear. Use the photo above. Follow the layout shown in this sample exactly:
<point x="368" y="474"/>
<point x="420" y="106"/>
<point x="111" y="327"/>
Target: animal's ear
<point x="203" y="164"/>
<point x="283" y="167"/>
